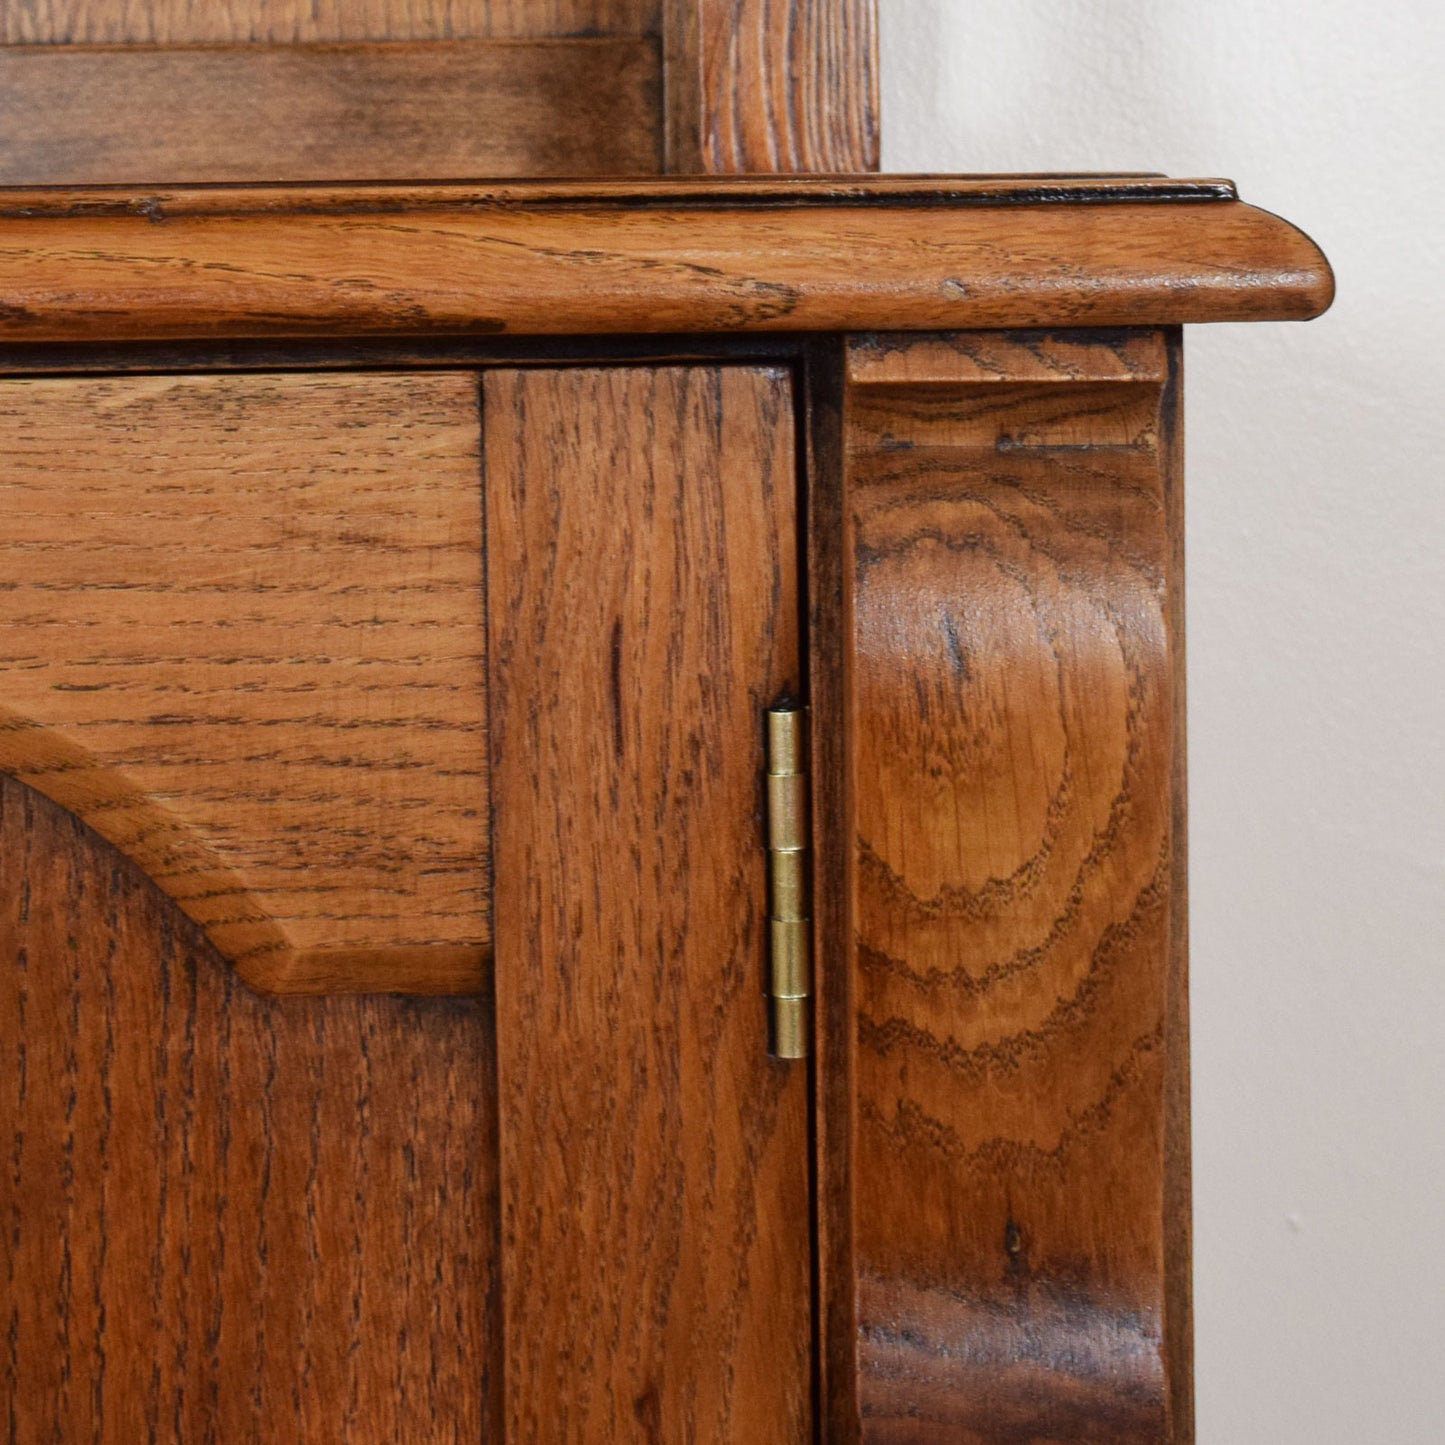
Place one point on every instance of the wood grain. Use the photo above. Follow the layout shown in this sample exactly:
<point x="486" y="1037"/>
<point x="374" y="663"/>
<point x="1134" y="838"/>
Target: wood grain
<point x="772" y="85"/>
<point x="162" y="116"/>
<point x="241" y="634"/>
<point x="226" y="1218"/>
<point x="643" y="612"/>
<point x="282" y="22"/>
<point x="1019" y="962"/>
<point x="675" y="258"/>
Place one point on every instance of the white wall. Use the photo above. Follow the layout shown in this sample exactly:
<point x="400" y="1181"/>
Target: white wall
<point x="1316" y="655"/>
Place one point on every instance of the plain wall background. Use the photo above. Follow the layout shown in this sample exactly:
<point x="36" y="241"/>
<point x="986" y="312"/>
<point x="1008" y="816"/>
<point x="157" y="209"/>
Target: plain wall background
<point x="1316" y="656"/>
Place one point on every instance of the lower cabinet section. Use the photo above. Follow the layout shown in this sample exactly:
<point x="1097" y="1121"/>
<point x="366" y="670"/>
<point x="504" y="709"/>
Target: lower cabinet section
<point x="384" y="897"/>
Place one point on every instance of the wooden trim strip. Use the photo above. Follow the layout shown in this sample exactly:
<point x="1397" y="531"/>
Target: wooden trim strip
<point x="166" y="271"/>
<point x="687" y="193"/>
<point x="161" y="115"/>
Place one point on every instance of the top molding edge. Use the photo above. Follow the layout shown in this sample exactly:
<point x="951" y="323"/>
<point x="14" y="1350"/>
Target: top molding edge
<point x="841" y="254"/>
<point x="688" y="193"/>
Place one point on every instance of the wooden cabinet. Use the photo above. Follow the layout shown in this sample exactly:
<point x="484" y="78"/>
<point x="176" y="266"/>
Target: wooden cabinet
<point x="394" y="582"/>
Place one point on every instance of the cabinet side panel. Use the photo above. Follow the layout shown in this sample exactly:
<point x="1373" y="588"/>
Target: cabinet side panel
<point x="226" y="1217"/>
<point x="1018" y="913"/>
<point x="643" y="611"/>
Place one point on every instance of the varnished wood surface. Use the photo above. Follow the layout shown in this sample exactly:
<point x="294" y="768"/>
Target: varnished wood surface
<point x="282" y="22"/>
<point x="226" y="1218"/>
<point x="1020" y="1161"/>
<point x="643" y="611"/>
<point x="242" y="635"/>
<point x="772" y="85"/>
<point x="319" y="263"/>
<point x="162" y="116"/>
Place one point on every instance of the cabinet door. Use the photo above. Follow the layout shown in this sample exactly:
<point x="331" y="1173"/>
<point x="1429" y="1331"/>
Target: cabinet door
<point x="245" y="641"/>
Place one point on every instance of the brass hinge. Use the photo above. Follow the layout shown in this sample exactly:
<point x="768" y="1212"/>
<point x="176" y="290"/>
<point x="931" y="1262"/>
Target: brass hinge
<point x="789" y="925"/>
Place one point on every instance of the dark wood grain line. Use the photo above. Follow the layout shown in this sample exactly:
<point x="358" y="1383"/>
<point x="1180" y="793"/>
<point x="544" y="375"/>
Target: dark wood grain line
<point x="672" y="193"/>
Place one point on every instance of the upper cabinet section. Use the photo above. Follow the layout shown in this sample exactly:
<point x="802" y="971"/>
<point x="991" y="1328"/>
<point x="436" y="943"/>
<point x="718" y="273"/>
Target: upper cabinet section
<point x="165" y="92"/>
<point x="630" y="257"/>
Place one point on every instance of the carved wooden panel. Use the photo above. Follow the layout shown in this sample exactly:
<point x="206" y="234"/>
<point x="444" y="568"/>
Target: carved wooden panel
<point x="226" y="1218"/>
<point x="1020" y="1173"/>
<point x="241" y="635"/>
<point x="643" y="606"/>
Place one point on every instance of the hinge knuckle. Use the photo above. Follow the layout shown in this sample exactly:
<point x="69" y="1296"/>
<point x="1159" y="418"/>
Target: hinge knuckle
<point x="791" y="965"/>
<point x="787" y="812"/>
<point x="790" y="930"/>
<point x="788" y="883"/>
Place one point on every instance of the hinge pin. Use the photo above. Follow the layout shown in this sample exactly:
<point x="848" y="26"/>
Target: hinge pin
<point x="789" y="925"/>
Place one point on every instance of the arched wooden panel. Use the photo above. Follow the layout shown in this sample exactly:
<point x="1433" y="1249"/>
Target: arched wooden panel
<point x="227" y="1217"/>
